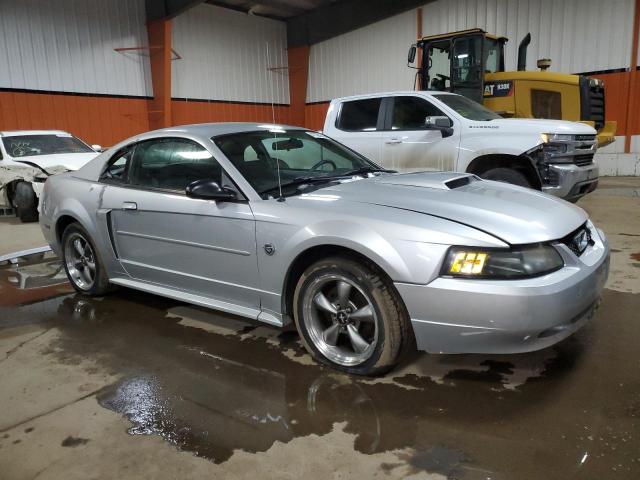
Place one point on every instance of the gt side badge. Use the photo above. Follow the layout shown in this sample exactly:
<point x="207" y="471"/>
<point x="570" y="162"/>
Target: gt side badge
<point x="269" y="249"/>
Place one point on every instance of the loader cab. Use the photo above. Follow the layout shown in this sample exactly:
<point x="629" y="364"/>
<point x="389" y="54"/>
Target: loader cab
<point x="457" y="62"/>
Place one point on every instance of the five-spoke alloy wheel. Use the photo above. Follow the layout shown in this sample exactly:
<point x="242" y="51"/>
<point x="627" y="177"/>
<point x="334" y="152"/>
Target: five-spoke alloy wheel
<point x="350" y="316"/>
<point x="82" y="263"/>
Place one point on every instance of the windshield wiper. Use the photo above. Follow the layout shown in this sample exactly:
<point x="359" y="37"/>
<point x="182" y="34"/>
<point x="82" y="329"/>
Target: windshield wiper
<point x="299" y="181"/>
<point x="368" y="169"/>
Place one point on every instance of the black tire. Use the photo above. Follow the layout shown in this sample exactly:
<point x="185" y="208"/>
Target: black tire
<point x="100" y="284"/>
<point x="507" y="175"/>
<point x="26" y="202"/>
<point x="394" y="337"/>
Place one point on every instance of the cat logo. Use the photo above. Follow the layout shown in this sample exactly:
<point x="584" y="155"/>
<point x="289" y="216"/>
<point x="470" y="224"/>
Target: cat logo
<point x="498" y="89"/>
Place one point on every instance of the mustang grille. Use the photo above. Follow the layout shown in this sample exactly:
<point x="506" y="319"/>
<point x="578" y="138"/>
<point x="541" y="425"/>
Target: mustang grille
<point x="578" y="240"/>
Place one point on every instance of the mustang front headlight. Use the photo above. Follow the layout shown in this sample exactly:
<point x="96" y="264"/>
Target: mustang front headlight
<point x="519" y="262"/>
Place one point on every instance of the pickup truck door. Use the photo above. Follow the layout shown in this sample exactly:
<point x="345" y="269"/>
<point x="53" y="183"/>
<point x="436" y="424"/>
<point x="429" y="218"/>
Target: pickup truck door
<point x="358" y="126"/>
<point x="408" y="144"/>
<point x="163" y="237"/>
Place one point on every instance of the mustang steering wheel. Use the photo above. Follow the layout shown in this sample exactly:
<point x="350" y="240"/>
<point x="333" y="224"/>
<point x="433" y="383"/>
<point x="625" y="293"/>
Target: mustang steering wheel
<point x="324" y="162"/>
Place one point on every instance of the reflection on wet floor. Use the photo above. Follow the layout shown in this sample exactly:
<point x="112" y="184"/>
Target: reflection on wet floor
<point x="32" y="278"/>
<point x="211" y="384"/>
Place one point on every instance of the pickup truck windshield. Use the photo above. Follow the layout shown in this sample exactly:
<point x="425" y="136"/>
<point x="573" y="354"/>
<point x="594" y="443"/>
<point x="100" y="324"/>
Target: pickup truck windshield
<point x="467" y="108"/>
<point x="49" y="144"/>
<point x="299" y="157"/>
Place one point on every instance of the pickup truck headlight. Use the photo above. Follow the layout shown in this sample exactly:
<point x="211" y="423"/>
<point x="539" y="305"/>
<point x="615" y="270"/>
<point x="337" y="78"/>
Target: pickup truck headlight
<point x="519" y="262"/>
<point x="557" y="137"/>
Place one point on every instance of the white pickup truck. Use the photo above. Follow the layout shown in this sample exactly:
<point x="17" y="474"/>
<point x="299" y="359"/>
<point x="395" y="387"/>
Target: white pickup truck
<point x="417" y="130"/>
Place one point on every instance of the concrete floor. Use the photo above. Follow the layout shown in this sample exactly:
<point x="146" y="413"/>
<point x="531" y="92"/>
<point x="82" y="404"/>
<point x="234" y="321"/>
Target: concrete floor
<point x="136" y="386"/>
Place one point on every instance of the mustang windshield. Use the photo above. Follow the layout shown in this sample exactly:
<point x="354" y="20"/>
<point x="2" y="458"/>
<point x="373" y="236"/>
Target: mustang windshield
<point x="300" y="157"/>
<point x="49" y="144"/>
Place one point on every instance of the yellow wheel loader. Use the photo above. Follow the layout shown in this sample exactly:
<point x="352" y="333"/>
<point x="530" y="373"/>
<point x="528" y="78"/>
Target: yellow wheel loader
<point x="471" y="63"/>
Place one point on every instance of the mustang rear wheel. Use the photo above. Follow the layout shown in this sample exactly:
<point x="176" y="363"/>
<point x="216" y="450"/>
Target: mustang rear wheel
<point x="350" y="317"/>
<point x="82" y="262"/>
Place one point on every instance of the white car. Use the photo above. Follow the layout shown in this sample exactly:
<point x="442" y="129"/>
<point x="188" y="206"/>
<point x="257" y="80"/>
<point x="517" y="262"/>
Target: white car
<point x="28" y="157"/>
<point x="418" y="130"/>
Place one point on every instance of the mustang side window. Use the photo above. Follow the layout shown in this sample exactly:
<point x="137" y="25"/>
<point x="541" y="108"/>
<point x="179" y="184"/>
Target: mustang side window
<point x="118" y="166"/>
<point x="172" y="164"/>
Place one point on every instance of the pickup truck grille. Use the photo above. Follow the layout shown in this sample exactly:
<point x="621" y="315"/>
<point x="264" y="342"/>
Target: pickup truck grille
<point x="582" y="160"/>
<point x="585" y="138"/>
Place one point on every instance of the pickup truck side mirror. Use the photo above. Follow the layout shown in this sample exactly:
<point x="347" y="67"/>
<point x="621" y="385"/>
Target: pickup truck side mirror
<point x="444" y="124"/>
<point x="209" y="190"/>
<point x="411" y="56"/>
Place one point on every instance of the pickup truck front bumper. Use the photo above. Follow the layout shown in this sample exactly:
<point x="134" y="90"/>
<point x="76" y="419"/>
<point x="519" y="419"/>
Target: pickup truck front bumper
<point x="573" y="181"/>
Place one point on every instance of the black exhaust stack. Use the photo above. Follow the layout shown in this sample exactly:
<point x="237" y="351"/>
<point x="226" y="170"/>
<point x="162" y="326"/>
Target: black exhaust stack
<point x="522" y="52"/>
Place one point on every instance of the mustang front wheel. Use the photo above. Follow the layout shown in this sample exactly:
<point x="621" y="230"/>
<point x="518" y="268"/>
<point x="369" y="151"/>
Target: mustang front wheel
<point x="351" y="317"/>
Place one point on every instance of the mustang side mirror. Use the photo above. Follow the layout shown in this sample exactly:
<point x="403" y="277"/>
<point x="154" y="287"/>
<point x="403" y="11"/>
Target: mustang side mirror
<point x="97" y="148"/>
<point x="443" y="124"/>
<point x="209" y="190"/>
<point x="411" y="56"/>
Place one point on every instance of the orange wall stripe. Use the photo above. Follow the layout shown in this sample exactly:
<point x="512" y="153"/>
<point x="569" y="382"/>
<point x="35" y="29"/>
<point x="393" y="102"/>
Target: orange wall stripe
<point x="102" y="120"/>
<point x="315" y="114"/>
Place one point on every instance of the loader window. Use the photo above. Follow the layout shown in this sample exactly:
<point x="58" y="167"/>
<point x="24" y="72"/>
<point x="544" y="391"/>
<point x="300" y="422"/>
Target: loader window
<point x="439" y="67"/>
<point x="491" y="56"/>
<point x="466" y="60"/>
<point x="546" y="104"/>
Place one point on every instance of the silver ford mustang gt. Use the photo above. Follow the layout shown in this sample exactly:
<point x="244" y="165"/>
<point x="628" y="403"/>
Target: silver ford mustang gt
<point x="277" y="223"/>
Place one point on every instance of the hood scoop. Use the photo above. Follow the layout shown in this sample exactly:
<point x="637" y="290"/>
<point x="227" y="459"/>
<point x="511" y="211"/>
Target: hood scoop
<point x="437" y="180"/>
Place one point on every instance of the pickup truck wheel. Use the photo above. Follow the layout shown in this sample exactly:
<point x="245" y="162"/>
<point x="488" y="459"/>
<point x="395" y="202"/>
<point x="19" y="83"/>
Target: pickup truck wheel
<point x="26" y="202"/>
<point x="506" y="175"/>
<point x="82" y="262"/>
<point x="350" y="317"/>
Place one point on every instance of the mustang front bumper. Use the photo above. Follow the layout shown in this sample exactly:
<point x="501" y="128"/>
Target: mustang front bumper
<point x="452" y="315"/>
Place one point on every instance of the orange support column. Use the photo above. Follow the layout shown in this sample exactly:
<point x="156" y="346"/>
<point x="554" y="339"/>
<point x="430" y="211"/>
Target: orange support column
<point x="159" y="33"/>
<point x="634" y="81"/>
<point x="298" y="59"/>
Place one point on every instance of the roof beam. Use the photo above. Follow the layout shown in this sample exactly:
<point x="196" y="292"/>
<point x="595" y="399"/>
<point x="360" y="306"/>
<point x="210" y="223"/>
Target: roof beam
<point x="341" y="17"/>
<point x="167" y="9"/>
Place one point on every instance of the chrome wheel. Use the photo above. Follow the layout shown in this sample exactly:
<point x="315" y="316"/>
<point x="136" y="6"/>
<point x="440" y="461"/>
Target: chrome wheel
<point x="80" y="261"/>
<point x="340" y="319"/>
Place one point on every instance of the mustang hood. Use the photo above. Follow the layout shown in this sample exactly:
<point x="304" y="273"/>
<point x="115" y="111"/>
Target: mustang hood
<point x="513" y="214"/>
<point x="70" y="161"/>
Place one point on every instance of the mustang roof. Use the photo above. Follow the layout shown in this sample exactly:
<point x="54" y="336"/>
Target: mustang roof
<point x="215" y="129"/>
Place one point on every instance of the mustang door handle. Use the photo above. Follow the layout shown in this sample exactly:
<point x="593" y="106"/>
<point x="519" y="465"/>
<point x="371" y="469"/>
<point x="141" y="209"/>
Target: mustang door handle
<point x="393" y="141"/>
<point x="129" y="206"/>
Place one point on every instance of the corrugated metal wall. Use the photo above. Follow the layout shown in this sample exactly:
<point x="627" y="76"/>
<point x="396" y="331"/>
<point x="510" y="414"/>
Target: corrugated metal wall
<point x="68" y="46"/>
<point x="578" y="35"/>
<point x="366" y="60"/>
<point x="224" y="56"/>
